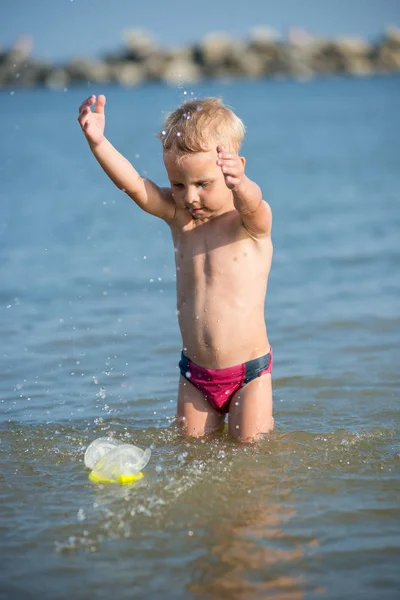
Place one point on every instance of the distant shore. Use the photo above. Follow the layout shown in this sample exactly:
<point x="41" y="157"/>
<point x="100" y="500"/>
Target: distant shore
<point x="262" y="54"/>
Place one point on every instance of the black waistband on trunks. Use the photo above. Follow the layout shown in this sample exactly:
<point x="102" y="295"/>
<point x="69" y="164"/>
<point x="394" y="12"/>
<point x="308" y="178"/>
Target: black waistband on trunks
<point x="255" y="366"/>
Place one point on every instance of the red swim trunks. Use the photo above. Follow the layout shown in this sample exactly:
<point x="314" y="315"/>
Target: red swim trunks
<point x="219" y="385"/>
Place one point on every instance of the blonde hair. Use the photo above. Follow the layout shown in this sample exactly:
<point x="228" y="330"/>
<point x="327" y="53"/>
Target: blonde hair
<point x="191" y="127"/>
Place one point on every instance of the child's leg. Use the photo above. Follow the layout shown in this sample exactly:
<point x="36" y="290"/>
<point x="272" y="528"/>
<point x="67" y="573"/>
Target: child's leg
<point x="195" y="415"/>
<point x="250" y="409"/>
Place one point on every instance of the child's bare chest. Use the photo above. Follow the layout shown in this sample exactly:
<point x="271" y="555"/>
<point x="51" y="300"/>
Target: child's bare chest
<point x="217" y="252"/>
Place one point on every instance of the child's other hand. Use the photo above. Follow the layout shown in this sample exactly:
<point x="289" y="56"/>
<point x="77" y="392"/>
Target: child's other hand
<point x="232" y="166"/>
<point x="93" y="122"/>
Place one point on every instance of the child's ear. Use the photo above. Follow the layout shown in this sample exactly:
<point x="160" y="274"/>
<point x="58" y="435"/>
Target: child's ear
<point x="242" y="158"/>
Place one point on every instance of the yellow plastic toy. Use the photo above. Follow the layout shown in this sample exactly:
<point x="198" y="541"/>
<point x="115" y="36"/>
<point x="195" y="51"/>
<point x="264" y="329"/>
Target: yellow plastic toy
<point x="113" y="461"/>
<point x="122" y="479"/>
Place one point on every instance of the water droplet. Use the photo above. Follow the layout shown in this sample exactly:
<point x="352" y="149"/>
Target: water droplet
<point x="188" y="374"/>
<point x="237" y="426"/>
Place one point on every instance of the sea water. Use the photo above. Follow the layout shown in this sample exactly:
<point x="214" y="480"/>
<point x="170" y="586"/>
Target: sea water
<point x="90" y="345"/>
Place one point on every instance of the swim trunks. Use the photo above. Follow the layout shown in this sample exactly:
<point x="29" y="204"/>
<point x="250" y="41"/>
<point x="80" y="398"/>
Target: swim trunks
<point x="219" y="385"/>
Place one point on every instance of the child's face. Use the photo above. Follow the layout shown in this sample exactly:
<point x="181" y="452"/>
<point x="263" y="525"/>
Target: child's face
<point x="198" y="184"/>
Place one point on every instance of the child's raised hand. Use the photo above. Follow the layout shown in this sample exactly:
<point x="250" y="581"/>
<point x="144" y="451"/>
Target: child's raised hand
<point x="232" y="166"/>
<point x="93" y="122"/>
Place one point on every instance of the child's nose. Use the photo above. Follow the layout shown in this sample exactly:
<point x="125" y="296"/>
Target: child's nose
<point x="191" y="195"/>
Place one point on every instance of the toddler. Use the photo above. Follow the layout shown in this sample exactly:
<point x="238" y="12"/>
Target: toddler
<point x="221" y="230"/>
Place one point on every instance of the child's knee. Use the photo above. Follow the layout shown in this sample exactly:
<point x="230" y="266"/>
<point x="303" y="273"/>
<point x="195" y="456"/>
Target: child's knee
<point x="250" y="435"/>
<point x="195" y="430"/>
<point x="188" y="428"/>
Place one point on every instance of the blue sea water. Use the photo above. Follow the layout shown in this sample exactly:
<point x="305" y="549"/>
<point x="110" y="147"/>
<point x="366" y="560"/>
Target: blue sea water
<point x="90" y="346"/>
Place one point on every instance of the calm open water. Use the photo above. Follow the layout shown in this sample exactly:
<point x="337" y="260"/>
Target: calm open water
<point x="90" y="344"/>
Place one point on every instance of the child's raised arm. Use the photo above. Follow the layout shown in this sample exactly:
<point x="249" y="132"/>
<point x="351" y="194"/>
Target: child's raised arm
<point x="247" y="197"/>
<point x="151" y="198"/>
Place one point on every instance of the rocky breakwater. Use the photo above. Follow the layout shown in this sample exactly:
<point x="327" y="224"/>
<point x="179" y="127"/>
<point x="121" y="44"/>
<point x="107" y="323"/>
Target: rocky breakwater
<point x="262" y="54"/>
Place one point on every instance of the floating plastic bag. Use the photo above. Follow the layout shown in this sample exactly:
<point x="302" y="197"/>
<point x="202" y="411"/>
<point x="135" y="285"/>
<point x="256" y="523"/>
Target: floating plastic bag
<point x="116" y="462"/>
